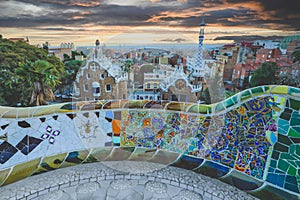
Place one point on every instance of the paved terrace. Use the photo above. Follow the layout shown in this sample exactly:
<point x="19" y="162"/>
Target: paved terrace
<point x="250" y="141"/>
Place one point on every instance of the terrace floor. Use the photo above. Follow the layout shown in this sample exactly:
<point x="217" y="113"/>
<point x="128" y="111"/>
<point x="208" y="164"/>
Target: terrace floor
<point x="121" y="180"/>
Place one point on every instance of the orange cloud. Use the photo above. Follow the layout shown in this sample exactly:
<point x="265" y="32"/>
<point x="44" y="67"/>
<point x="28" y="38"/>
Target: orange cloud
<point x="182" y="14"/>
<point x="85" y="4"/>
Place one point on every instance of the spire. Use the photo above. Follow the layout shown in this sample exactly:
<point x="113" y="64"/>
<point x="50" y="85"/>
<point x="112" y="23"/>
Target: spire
<point x="203" y="21"/>
<point x="198" y="68"/>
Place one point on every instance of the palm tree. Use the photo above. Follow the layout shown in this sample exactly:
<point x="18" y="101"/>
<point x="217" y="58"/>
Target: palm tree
<point x="128" y="68"/>
<point x="44" y="77"/>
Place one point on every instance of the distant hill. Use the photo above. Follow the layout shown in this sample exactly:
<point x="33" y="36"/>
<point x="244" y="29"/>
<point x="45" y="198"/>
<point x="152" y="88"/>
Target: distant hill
<point x="242" y="38"/>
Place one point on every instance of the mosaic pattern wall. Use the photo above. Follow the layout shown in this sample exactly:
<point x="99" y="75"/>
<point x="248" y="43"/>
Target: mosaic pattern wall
<point x="251" y="140"/>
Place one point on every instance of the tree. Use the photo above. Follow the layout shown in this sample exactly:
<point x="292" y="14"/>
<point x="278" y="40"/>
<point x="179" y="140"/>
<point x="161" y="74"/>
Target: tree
<point x="66" y="57"/>
<point x="296" y="55"/>
<point x="46" y="46"/>
<point x="16" y="87"/>
<point x="128" y="68"/>
<point x="265" y="75"/>
<point x="71" y="69"/>
<point x="75" y="53"/>
<point x="44" y="77"/>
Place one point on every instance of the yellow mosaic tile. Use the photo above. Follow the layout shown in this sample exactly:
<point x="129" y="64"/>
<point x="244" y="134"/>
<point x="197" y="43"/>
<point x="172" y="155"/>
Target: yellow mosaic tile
<point x="75" y="158"/>
<point x="51" y="163"/>
<point x="47" y="110"/>
<point x="281" y="89"/>
<point x="23" y="170"/>
<point x="3" y="175"/>
<point x="3" y="110"/>
<point x="11" y="113"/>
<point x="100" y="154"/>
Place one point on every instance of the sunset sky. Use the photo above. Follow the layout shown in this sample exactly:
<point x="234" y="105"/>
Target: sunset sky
<point x="145" y="21"/>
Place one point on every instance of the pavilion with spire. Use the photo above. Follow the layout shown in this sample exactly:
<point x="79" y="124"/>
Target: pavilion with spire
<point x="190" y="86"/>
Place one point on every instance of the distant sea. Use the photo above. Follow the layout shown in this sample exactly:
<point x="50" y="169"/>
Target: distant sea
<point x="158" y="46"/>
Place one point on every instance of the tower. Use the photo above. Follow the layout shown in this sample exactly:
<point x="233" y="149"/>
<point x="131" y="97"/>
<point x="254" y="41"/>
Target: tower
<point x="98" y="50"/>
<point x="199" y="68"/>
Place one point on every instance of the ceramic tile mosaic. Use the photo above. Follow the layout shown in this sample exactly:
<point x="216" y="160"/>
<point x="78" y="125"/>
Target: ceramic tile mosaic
<point x="251" y="140"/>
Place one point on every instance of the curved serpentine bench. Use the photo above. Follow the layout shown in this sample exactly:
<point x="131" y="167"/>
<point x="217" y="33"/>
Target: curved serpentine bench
<point x="250" y="140"/>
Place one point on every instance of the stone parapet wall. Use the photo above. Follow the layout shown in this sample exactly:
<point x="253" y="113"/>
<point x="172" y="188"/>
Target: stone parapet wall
<point x="250" y="140"/>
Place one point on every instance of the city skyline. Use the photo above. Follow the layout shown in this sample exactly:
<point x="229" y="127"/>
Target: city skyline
<point x="146" y="21"/>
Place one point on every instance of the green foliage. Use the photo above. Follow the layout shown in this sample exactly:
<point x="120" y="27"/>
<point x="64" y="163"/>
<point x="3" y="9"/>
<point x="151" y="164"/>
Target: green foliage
<point x="66" y="57"/>
<point x="128" y="66"/>
<point x="296" y="55"/>
<point x="15" y="59"/>
<point x="75" y="53"/>
<point x="71" y="69"/>
<point x="265" y="75"/>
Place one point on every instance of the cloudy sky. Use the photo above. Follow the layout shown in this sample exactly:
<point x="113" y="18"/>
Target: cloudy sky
<point x="145" y="21"/>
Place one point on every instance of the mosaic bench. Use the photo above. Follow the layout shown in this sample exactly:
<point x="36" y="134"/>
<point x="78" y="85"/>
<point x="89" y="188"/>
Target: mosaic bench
<point x="250" y="140"/>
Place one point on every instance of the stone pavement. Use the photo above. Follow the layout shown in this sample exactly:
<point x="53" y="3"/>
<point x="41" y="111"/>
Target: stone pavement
<point x="126" y="180"/>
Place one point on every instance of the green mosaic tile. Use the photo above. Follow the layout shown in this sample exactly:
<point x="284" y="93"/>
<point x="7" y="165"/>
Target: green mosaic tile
<point x="283" y="165"/>
<point x="257" y="91"/>
<point x="267" y="89"/>
<point x="282" y="122"/>
<point x="235" y="99"/>
<point x="298" y="150"/>
<point x="228" y="103"/>
<point x="297" y="128"/>
<point x="219" y="107"/>
<point x="292" y="162"/>
<point x="292" y="171"/>
<point x="296" y="114"/>
<point x="293" y="133"/>
<point x="282" y="131"/>
<point x="273" y="163"/>
<point x="287" y="156"/>
<point x="297" y="163"/>
<point x="295" y="104"/>
<point x="294" y="91"/>
<point x="295" y="122"/>
<point x="203" y="109"/>
<point x="245" y="95"/>
<point x="283" y="126"/>
<point x="291" y="187"/>
<point x="292" y="149"/>
<point x="291" y="180"/>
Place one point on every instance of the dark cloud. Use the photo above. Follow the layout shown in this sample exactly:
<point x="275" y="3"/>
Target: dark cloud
<point x="241" y="38"/>
<point x="276" y="8"/>
<point x="61" y="29"/>
<point x="272" y="14"/>
<point x="177" y="40"/>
